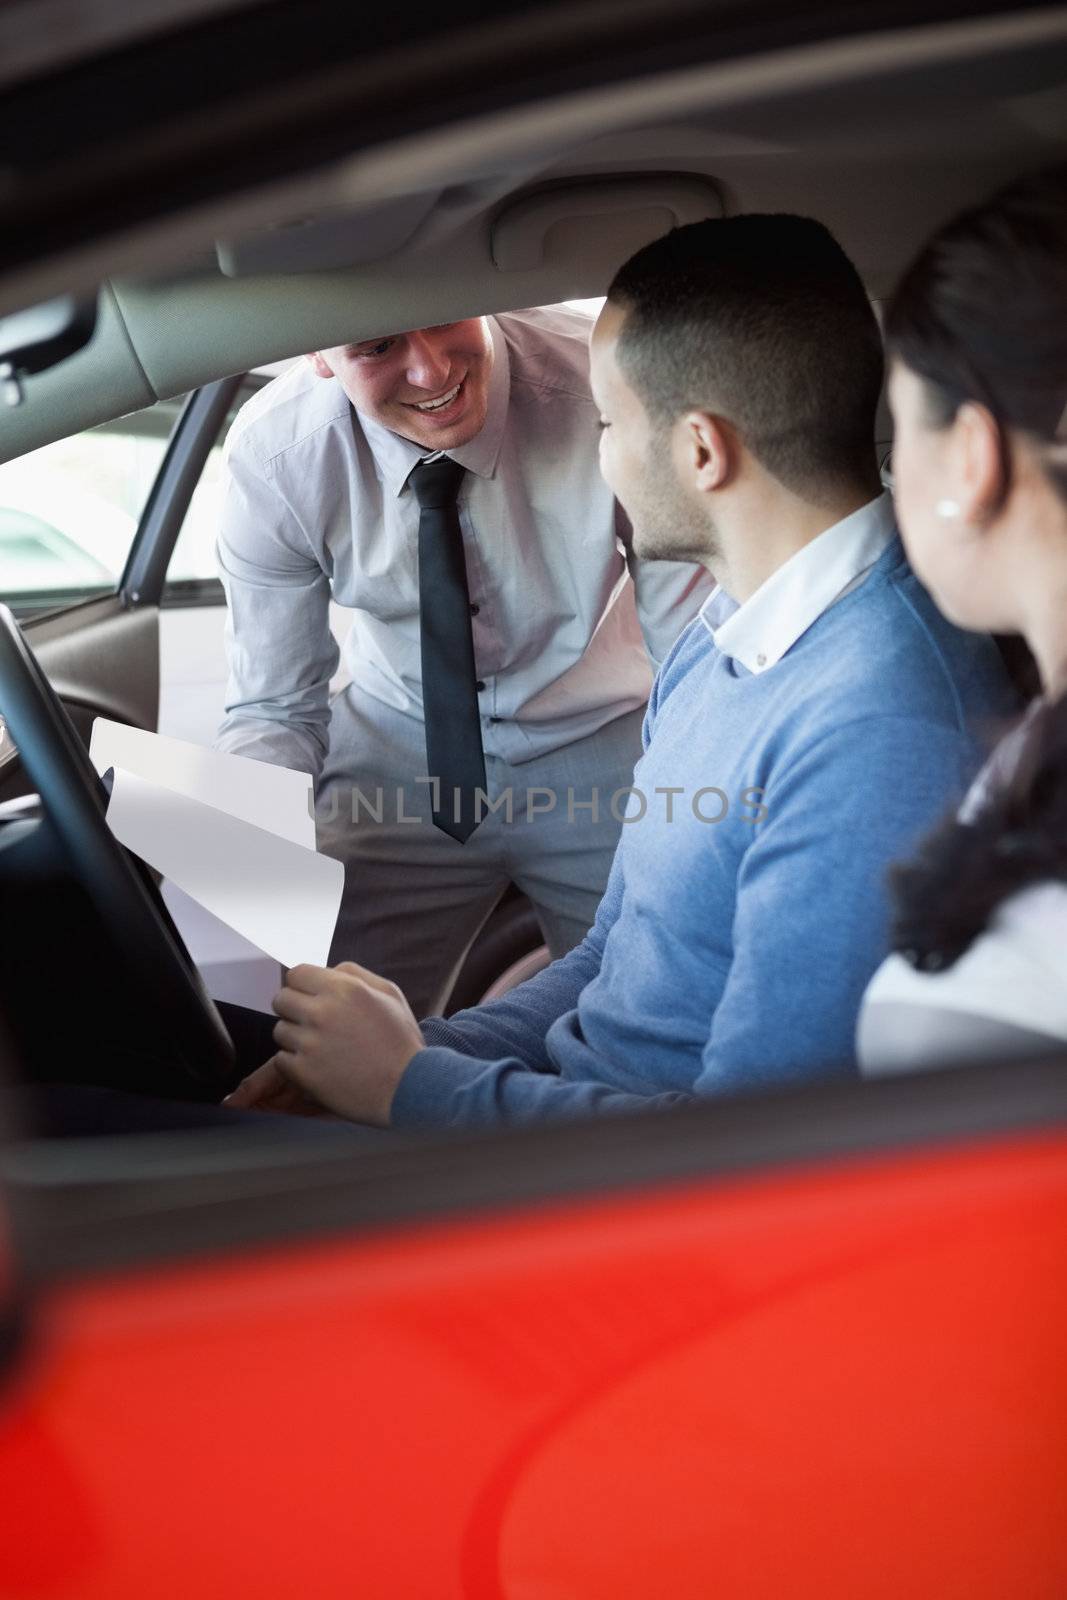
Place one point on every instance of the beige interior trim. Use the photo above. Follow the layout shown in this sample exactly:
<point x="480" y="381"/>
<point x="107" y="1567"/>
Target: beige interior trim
<point x="513" y="137"/>
<point x="160" y="335"/>
<point x="568" y="218"/>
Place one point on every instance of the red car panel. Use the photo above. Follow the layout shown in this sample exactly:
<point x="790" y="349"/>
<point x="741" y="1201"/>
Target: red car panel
<point x="836" y="1382"/>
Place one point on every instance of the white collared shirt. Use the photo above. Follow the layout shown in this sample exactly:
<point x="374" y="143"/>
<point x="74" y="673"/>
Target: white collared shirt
<point x="762" y="630"/>
<point x="319" y="507"/>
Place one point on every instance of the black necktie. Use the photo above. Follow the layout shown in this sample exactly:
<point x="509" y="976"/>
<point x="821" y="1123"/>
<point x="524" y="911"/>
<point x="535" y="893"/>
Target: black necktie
<point x="449" y="682"/>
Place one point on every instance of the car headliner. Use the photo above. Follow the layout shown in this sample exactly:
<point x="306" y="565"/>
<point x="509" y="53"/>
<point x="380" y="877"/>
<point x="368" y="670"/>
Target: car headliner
<point x="879" y="139"/>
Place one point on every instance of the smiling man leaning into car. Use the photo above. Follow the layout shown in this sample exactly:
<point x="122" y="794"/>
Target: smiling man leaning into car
<point x="737" y="366"/>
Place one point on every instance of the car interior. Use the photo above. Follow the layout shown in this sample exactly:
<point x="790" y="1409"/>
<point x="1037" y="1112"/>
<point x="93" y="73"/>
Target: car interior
<point x="423" y="232"/>
<point x="859" y="1206"/>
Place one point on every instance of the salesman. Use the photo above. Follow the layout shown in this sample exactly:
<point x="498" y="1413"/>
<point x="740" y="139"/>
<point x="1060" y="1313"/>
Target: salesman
<point x="444" y="485"/>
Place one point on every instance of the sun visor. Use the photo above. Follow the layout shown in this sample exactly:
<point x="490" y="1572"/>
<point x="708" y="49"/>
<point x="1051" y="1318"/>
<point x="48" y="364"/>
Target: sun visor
<point x="603" y="220"/>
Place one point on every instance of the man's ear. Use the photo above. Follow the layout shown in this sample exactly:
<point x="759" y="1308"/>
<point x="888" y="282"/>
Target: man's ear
<point x="709" y="451"/>
<point x="976" y="462"/>
<point x="319" y="365"/>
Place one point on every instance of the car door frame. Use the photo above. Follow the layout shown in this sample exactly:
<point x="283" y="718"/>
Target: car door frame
<point x="144" y="579"/>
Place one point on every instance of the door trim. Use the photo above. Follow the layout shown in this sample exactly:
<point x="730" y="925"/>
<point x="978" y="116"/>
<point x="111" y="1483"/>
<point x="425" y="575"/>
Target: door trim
<point x="195" y="432"/>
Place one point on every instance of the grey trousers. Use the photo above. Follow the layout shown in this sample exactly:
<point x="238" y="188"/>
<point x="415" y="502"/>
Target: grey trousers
<point x="414" y="898"/>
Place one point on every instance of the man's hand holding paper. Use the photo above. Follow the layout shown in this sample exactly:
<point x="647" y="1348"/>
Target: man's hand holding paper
<point x="345" y="1037"/>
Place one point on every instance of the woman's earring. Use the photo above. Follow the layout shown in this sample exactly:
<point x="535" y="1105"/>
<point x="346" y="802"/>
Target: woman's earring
<point x="948" y="509"/>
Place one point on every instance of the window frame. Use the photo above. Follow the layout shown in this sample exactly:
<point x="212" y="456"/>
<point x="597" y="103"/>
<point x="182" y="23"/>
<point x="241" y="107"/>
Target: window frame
<point x="143" y="577"/>
<point x="144" y="580"/>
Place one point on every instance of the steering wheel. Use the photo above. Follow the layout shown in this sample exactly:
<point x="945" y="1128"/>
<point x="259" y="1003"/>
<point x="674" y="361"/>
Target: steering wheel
<point x="124" y="894"/>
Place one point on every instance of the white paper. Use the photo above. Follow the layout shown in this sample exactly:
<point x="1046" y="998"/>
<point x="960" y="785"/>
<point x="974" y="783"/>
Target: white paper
<point x="285" y="899"/>
<point x="236" y="835"/>
<point x="276" y="798"/>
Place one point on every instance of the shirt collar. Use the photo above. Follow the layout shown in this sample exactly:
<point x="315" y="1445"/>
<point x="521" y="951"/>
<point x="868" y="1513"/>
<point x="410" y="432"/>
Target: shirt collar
<point x="396" y="456"/>
<point x="762" y="630"/>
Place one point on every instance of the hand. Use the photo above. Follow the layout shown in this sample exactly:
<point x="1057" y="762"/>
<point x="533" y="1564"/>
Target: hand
<point x="345" y="1037"/>
<point x="268" y="1089"/>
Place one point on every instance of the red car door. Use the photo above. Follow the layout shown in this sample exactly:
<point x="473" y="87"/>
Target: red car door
<point x="806" y="1346"/>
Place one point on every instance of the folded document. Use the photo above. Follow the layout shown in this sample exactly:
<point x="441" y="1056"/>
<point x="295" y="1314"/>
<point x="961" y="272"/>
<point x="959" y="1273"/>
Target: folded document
<point x="236" y="835"/>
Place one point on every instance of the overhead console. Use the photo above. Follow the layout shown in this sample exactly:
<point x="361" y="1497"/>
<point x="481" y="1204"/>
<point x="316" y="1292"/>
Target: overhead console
<point x="601" y="221"/>
<point x="564" y="221"/>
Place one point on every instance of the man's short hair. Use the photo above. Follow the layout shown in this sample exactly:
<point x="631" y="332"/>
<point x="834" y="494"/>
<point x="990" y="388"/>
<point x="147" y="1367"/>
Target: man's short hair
<point x="763" y="321"/>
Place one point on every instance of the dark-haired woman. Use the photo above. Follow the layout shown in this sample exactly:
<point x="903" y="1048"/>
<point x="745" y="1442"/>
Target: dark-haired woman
<point x="977" y="341"/>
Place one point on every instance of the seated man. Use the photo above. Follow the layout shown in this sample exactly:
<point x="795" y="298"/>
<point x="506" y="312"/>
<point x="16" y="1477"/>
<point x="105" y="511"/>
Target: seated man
<point x="803" y="732"/>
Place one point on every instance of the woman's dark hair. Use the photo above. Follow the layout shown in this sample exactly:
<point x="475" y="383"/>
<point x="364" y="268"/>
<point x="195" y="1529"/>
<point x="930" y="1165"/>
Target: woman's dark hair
<point x="981" y="315"/>
<point x="946" y="896"/>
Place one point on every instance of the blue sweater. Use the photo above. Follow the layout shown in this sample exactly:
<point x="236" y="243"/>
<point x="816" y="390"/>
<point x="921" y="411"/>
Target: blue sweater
<point x="732" y="954"/>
